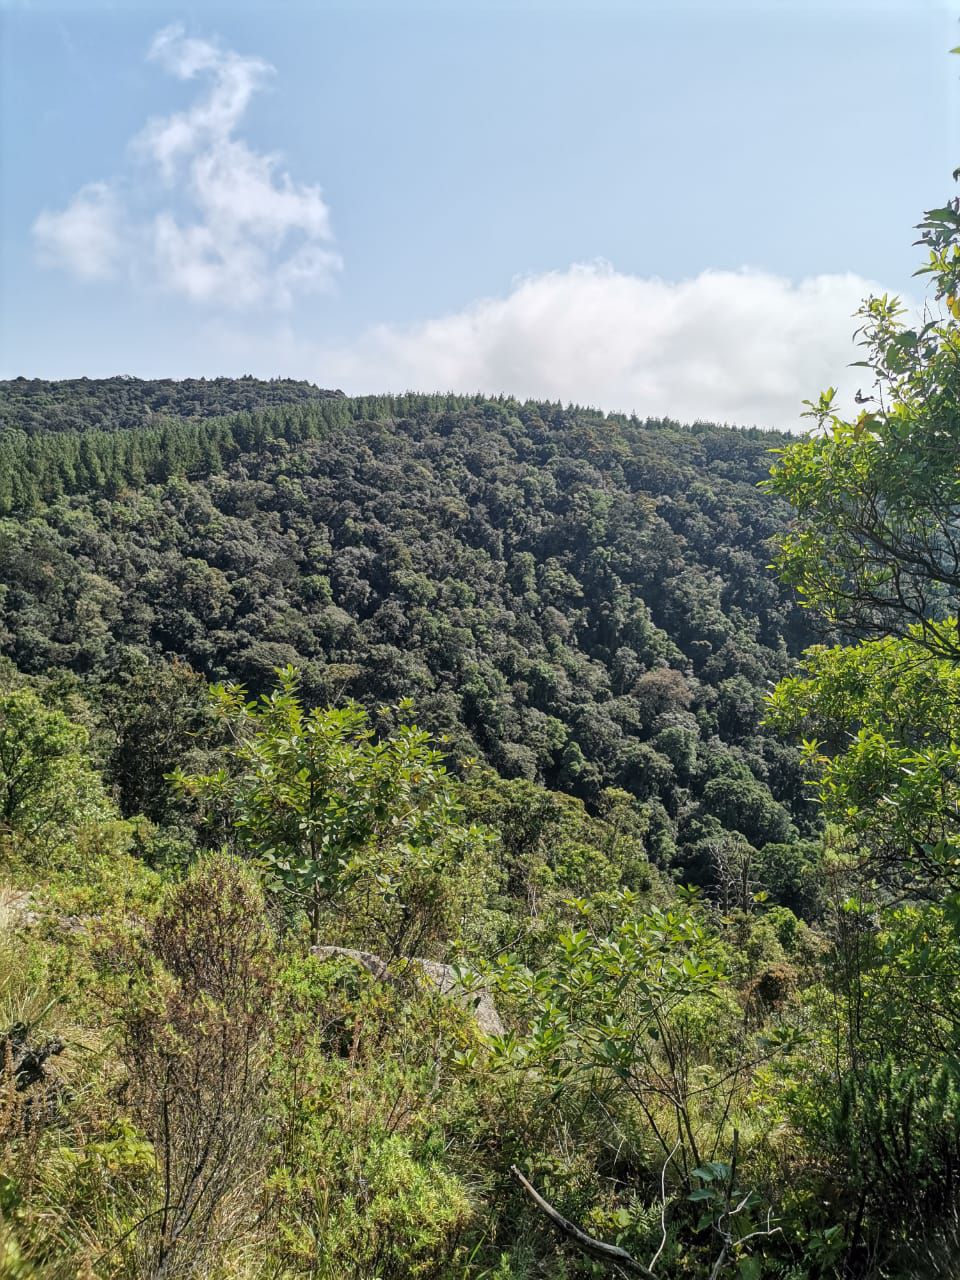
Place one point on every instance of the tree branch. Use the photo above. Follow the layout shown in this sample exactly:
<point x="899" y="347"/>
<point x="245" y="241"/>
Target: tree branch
<point x="610" y="1253"/>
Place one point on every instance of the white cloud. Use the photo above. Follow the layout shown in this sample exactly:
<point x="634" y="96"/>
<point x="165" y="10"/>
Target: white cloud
<point x="232" y="228"/>
<point x="85" y="237"/>
<point x="731" y="346"/>
<point x="211" y="120"/>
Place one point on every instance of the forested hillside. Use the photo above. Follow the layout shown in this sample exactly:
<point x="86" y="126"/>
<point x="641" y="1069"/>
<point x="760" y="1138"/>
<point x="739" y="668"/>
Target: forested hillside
<point x="581" y="600"/>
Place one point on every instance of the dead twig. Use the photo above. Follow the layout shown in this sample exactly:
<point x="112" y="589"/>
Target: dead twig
<point x="609" y="1253"/>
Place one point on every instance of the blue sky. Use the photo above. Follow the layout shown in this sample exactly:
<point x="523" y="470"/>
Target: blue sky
<point x="662" y="208"/>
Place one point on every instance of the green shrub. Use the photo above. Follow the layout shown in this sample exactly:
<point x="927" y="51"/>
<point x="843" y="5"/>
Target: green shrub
<point x="195" y="1025"/>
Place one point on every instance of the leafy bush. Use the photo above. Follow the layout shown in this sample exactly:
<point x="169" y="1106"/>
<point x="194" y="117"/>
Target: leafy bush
<point x="48" y="788"/>
<point x="366" y="836"/>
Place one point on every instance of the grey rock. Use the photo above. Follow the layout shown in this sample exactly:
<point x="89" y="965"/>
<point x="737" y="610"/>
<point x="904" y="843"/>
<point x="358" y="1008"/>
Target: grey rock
<point x="442" y="976"/>
<point x="17" y="909"/>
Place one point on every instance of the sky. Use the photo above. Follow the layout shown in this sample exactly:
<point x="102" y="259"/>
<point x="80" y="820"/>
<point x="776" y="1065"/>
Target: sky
<point x="668" y="208"/>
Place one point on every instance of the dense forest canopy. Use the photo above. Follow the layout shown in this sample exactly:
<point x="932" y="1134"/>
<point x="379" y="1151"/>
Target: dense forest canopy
<point x="580" y="599"/>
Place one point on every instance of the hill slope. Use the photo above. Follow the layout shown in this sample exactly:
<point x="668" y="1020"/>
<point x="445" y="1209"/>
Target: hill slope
<point x="582" y="599"/>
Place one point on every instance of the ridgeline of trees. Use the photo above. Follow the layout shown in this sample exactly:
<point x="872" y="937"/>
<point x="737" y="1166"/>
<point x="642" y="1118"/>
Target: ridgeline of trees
<point x="35" y="405"/>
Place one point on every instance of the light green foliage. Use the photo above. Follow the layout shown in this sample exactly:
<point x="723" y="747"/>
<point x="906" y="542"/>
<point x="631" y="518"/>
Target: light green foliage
<point x="48" y="789"/>
<point x="877" y="496"/>
<point x="73" y="1174"/>
<point x="378" y="1151"/>
<point x="632" y="1038"/>
<point x="624" y="1012"/>
<point x="548" y="848"/>
<point x="907" y="993"/>
<point x="342" y="821"/>
<point x="886" y="755"/>
<point x="335" y="1124"/>
<point x="878" y="507"/>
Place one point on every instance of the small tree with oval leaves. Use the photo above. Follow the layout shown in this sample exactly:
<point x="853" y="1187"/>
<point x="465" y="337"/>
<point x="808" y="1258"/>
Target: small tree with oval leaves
<point x="366" y="835"/>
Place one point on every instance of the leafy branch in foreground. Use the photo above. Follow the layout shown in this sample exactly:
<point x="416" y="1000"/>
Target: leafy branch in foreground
<point x="876" y="545"/>
<point x="332" y="813"/>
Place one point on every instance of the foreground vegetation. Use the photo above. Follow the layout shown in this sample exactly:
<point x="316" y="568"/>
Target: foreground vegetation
<point x="291" y="987"/>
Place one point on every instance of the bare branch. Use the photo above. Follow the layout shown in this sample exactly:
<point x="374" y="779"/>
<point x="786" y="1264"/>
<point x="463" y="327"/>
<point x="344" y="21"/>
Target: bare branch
<point x="609" y="1253"/>
<point x="663" y="1206"/>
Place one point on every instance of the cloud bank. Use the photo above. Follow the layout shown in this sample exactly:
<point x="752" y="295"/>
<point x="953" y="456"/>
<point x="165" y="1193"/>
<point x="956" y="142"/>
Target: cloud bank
<point x="730" y="346"/>
<point x="228" y="227"/>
